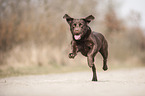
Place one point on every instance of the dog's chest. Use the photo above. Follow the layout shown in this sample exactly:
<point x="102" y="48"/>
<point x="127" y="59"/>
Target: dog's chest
<point x="84" y="47"/>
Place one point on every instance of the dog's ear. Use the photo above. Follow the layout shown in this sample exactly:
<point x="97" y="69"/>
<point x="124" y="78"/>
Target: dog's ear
<point x="68" y="18"/>
<point x="89" y="18"/>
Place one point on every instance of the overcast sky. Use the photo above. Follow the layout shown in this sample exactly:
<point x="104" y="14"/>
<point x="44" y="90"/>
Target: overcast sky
<point x="137" y="5"/>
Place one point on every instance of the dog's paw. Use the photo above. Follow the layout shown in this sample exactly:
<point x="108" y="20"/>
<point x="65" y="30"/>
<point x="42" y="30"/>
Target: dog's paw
<point x="71" y="55"/>
<point x="94" y="79"/>
<point x="105" y="67"/>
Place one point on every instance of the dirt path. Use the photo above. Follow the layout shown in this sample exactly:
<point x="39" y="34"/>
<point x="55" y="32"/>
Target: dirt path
<point x="125" y="82"/>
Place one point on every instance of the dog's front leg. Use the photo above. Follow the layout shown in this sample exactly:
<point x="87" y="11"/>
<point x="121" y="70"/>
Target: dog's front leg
<point x="74" y="50"/>
<point x="90" y="58"/>
<point x="91" y="54"/>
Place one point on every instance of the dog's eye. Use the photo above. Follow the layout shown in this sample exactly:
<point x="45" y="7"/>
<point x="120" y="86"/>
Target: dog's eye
<point x="81" y="25"/>
<point x="75" y="25"/>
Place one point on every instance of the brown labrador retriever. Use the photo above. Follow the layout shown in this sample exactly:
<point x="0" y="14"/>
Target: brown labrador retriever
<point x="87" y="42"/>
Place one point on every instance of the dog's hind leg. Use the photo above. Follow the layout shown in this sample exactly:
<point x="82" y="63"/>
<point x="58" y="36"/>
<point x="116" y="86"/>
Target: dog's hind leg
<point x="104" y="53"/>
<point x="94" y="73"/>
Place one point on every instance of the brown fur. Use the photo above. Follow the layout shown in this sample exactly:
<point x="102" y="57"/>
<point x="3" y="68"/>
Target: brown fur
<point x="87" y="42"/>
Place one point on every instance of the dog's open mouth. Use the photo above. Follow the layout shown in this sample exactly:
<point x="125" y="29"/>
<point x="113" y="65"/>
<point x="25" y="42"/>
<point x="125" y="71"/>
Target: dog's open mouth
<point x="77" y="37"/>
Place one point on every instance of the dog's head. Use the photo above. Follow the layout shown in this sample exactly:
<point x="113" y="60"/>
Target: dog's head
<point x="78" y="27"/>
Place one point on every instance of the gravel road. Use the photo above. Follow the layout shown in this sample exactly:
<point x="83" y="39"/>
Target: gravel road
<point x="123" y="82"/>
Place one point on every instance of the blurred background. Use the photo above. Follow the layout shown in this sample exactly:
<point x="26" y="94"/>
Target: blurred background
<point x="35" y="39"/>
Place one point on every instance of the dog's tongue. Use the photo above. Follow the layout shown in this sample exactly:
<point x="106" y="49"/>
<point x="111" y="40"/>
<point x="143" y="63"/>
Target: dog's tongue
<point x="77" y="37"/>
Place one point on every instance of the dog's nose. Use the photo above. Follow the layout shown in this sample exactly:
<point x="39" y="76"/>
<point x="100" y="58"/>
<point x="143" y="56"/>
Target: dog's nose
<point x="77" y="30"/>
